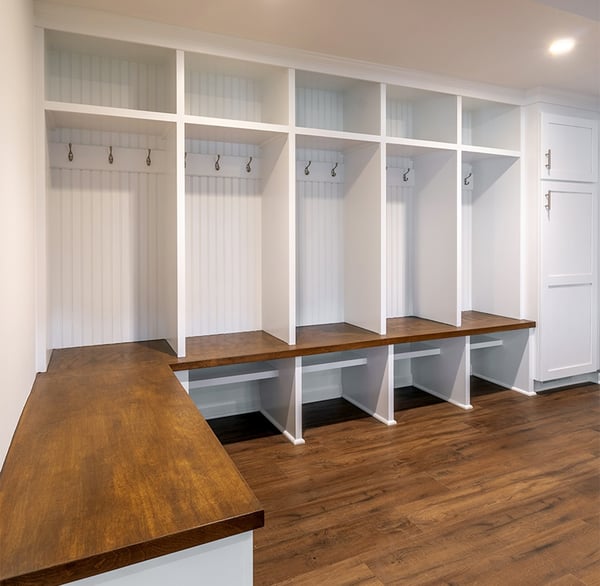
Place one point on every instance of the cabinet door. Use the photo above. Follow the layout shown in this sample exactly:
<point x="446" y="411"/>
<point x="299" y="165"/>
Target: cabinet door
<point x="569" y="148"/>
<point x="568" y="324"/>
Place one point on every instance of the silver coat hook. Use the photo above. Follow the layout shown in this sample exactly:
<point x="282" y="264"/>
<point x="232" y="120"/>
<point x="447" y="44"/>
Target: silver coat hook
<point x="110" y="156"/>
<point x="466" y="179"/>
<point x="217" y="166"/>
<point x="70" y="155"/>
<point x="333" y="173"/>
<point x="148" y="159"/>
<point x="248" y="168"/>
<point x="405" y="175"/>
<point x="306" y="169"/>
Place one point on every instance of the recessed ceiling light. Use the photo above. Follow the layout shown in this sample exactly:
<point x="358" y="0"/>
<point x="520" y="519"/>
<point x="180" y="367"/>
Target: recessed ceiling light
<point x="562" y="46"/>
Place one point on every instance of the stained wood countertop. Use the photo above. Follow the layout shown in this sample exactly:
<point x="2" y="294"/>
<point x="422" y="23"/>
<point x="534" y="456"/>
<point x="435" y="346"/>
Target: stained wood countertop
<point x="220" y="349"/>
<point x="112" y="463"/>
<point x="109" y="468"/>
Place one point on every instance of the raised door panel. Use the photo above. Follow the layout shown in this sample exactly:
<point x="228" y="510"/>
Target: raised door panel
<point x="568" y="329"/>
<point x="570" y="148"/>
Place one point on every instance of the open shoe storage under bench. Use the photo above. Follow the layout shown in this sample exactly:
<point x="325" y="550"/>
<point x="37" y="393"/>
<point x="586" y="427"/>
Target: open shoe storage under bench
<point x="230" y="374"/>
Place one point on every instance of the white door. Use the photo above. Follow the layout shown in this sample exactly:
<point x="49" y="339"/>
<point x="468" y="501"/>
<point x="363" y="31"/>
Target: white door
<point x="569" y="148"/>
<point x="568" y="324"/>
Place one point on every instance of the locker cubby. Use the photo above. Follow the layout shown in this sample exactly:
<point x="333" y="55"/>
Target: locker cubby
<point x="490" y="124"/>
<point x="329" y="102"/>
<point x="503" y="359"/>
<point x="217" y="87"/>
<point x="361" y="377"/>
<point x="420" y="114"/>
<point x="438" y="367"/>
<point x="111" y="230"/>
<point x="238" y="252"/>
<point x="270" y="388"/>
<point x="491" y="239"/>
<point x="99" y="72"/>
<point x="339" y="214"/>
<point x="422" y="233"/>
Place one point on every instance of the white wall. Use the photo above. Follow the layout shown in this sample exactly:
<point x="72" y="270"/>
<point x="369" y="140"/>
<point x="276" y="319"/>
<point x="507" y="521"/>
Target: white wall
<point x="17" y="234"/>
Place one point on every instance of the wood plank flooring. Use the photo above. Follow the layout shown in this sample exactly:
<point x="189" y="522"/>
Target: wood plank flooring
<point x="508" y="493"/>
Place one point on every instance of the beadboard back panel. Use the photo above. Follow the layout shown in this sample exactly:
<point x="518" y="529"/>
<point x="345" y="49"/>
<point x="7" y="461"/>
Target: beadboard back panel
<point x="337" y="103"/>
<point x="399" y="239"/>
<point x="88" y="73"/>
<point x="106" y="233"/>
<point x="320" y="237"/>
<point x="421" y="114"/>
<point x="223" y="96"/>
<point x="319" y="108"/>
<point x="238" y="90"/>
<point x="223" y="242"/>
<point x="104" y="257"/>
<point x="399" y="118"/>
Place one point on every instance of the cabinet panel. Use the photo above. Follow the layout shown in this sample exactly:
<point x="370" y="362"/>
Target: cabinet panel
<point x="569" y="148"/>
<point x="568" y="331"/>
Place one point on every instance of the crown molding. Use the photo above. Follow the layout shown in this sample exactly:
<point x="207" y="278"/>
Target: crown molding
<point x="562" y="98"/>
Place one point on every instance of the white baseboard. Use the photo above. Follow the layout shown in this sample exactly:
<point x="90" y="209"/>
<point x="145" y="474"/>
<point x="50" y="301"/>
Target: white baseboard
<point x="590" y="377"/>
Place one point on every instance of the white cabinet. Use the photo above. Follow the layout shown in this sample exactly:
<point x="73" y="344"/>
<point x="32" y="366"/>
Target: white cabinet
<point x="569" y="148"/>
<point x="568" y="328"/>
<point x="563" y="241"/>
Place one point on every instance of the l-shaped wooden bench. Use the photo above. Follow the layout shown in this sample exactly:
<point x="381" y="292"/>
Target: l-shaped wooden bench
<point x="112" y="463"/>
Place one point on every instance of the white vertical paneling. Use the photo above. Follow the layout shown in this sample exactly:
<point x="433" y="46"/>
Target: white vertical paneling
<point x="223" y="247"/>
<point x="320" y="239"/>
<point x="223" y="96"/>
<point x="400" y="251"/>
<point x="399" y="118"/>
<point x="106" y="257"/>
<point x="106" y="81"/>
<point x="316" y="108"/>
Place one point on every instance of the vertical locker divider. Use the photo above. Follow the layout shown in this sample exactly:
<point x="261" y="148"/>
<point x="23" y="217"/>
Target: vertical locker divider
<point x="42" y="177"/>
<point x="171" y="218"/>
<point x="281" y="399"/>
<point x="278" y="255"/>
<point x="180" y="181"/>
<point x="370" y="387"/>
<point x="364" y="245"/>
<point x="437" y="246"/>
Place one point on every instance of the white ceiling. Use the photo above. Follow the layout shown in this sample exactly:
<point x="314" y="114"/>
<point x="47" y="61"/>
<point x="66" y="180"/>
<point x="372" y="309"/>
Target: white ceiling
<point x="503" y="42"/>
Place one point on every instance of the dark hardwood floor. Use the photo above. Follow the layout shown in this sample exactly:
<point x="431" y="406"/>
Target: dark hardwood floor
<point x="508" y="493"/>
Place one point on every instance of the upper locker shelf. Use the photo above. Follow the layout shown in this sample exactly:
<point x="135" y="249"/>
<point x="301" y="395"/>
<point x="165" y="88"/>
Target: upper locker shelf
<point x="98" y="72"/>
